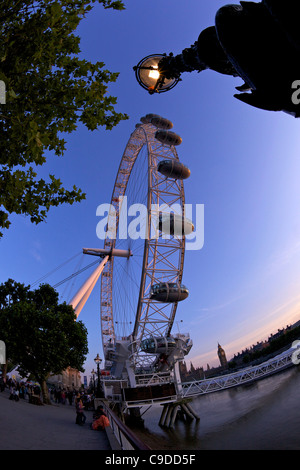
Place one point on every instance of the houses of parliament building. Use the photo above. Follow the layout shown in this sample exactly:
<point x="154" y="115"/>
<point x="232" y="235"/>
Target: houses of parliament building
<point x="199" y="373"/>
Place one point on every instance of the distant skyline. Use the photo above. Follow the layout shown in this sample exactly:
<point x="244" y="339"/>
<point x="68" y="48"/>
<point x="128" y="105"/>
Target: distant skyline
<point x="250" y="340"/>
<point x="244" y="282"/>
<point x="246" y="348"/>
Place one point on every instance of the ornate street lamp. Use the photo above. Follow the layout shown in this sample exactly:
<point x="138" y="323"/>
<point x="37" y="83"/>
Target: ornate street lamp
<point x="257" y="42"/>
<point x="98" y="361"/>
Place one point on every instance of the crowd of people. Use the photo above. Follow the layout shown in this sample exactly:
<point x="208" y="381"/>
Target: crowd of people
<point x="65" y="395"/>
<point x="82" y="400"/>
<point x="19" y="390"/>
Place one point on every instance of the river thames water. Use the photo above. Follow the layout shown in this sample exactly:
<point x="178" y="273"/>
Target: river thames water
<point x="264" y="415"/>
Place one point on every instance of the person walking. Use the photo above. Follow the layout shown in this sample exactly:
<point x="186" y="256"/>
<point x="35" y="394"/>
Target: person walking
<point x="80" y="416"/>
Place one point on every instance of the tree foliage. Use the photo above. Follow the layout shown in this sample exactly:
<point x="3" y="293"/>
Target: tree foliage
<point x="41" y="335"/>
<point x="49" y="91"/>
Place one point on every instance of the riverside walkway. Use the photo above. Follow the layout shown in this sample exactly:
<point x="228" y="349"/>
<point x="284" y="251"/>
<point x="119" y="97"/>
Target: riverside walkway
<point x="24" y="426"/>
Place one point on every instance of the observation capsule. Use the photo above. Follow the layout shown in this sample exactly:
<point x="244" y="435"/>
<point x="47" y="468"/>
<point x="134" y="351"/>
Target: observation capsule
<point x="151" y="116"/>
<point x="168" y="137"/>
<point x="168" y="292"/>
<point x="173" y="169"/>
<point x="146" y="119"/>
<point x="161" y="122"/>
<point x="160" y="345"/>
<point x="174" y="224"/>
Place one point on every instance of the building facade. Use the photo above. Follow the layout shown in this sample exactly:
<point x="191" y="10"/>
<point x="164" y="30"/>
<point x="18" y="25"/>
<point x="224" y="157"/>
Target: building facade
<point x="68" y="379"/>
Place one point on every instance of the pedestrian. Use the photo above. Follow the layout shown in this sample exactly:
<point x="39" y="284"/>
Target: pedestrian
<point x="101" y="423"/>
<point x="100" y="419"/>
<point x="2" y="384"/>
<point x="14" y="393"/>
<point x="99" y="412"/>
<point x="22" y="391"/>
<point x="88" y="401"/>
<point x="80" y="416"/>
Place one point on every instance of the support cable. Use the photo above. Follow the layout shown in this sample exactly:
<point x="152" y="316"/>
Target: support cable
<point x="54" y="270"/>
<point x="75" y="274"/>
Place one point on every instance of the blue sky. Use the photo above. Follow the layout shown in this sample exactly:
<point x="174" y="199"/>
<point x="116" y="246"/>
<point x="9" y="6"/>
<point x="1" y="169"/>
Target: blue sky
<point x="245" y="167"/>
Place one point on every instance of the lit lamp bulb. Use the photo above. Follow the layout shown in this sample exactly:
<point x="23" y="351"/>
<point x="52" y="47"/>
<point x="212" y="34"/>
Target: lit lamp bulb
<point x="154" y="73"/>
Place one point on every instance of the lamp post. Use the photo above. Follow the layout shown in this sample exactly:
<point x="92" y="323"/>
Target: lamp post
<point x="93" y="377"/>
<point x="98" y="361"/>
<point x="253" y="41"/>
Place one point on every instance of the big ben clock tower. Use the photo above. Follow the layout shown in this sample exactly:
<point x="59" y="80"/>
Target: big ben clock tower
<point x="222" y="357"/>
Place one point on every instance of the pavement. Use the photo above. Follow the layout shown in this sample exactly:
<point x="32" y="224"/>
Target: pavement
<point x="24" y="426"/>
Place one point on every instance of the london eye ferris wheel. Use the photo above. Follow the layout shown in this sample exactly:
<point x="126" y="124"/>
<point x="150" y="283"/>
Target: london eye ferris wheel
<point x="141" y="282"/>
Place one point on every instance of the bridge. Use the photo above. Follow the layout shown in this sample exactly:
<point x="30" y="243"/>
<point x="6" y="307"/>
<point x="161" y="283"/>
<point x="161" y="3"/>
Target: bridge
<point x="278" y="363"/>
